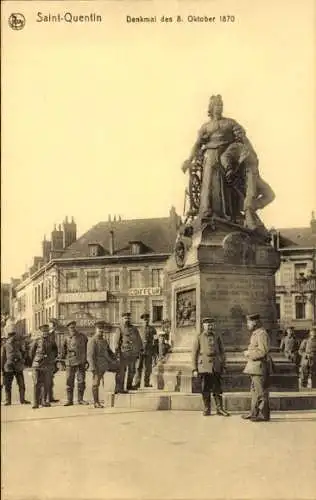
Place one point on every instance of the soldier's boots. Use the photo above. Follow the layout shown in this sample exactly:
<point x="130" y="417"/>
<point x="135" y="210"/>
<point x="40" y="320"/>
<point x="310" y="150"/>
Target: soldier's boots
<point x="7" y="398"/>
<point x="70" y="396"/>
<point x="207" y="404"/>
<point x="219" y="406"/>
<point x="23" y="401"/>
<point x="95" y="393"/>
<point x="80" y="398"/>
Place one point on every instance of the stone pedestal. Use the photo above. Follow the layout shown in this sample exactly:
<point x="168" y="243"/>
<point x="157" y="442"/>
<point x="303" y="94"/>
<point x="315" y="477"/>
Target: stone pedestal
<point x="226" y="272"/>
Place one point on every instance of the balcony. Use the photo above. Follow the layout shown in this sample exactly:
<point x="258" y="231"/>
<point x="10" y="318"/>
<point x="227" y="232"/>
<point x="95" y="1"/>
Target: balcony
<point x="76" y="296"/>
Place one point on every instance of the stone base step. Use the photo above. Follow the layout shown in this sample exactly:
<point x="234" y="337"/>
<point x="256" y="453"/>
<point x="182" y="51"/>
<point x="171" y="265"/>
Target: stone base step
<point x="233" y="402"/>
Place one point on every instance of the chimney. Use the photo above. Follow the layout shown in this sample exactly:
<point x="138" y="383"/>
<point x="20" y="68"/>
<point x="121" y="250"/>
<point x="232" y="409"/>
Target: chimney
<point x="313" y="223"/>
<point x="57" y="238"/>
<point x="111" y="249"/>
<point x="109" y="217"/>
<point x="46" y="249"/>
<point x="175" y="219"/>
<point x="69" y="232"/>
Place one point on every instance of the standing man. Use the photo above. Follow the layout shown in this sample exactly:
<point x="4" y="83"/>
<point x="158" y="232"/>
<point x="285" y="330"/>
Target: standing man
<point x="128" y="346"/>
<point x="52" y="332"/>
<point x="43" y="355"/>
<point x="290" y="346"/>
<point x="74" y="353"/>
<point x="208" y="359"/>
<point x="145" y="361"/>
<point x="257" y="367"/>
<point x="308" y="363"/>
<point x="12" y="365"/>
<point x="100" y="358"/>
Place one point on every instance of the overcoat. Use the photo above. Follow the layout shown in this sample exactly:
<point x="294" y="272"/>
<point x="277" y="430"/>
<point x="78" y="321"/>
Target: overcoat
<point x="208" y="353"/>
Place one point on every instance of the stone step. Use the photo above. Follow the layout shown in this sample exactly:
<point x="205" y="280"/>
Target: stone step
<point x="234" y="402"/>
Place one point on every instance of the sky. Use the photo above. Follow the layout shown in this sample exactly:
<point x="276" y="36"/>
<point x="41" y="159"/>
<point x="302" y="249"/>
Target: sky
<point x="97" y="119"/>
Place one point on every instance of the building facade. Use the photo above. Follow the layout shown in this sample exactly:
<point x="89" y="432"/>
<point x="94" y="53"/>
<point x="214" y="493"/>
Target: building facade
<point x="116" y="266"/>
<point x="119" y="265"/>
<point x="297" y="247"/>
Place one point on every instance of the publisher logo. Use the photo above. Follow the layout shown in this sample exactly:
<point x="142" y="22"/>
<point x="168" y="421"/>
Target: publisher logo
<point x="17" y="21"/>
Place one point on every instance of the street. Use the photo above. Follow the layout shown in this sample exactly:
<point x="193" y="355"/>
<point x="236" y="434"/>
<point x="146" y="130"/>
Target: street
<point x="79" y="452"/>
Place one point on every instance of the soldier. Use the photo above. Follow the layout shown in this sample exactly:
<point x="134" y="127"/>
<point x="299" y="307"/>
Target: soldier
<point x="74" y="353"/>
<point x="128" y="346"/>
<point x="43" y="355"/>
<point x="52" y="332"/>
<point x="12" y="365"/>
<point x="290" y="346"/>
<point x="145" y="361"/>
<point x="208" y="359"/>
<point x="257" y="367"/>
<point x="308" y="358"/>
<point x="100" y="358"/>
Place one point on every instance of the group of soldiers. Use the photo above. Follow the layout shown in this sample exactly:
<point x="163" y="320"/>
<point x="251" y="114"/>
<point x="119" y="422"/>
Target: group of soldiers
<point x="303" y="354"/>
<point x="132" y="358"/>
<point x="208" y="363"/>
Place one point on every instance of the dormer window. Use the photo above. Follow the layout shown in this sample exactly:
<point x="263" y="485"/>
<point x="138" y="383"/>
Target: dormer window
<point x="95" y="250"/>
<point x="136" y="247"/>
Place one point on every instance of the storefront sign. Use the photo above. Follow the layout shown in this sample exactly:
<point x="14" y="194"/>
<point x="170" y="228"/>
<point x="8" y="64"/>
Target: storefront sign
<point x="136" y="292"/>
<point x="81" y="322"/>
<point x="83" y="297"/>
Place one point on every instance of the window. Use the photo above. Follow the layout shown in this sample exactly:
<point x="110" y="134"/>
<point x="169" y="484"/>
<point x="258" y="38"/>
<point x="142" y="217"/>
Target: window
<point x="114" y="280"/>
<point x="72" y="281"/>
<point x="136" y="309"/>
<point x="42" y="291"/>
<point x="300" y="308"/>
<point x="278" y="307"/>
<point x="136" y="247"/>
<point x="298" y="269"/>
<point x="93" y="250"/>
<point x="157" y="278"/>
<point x="135" y="279"/>
<point x="157" y="311"/>
<point x="278" y="278"/>
<point x="35" y="295"/>
<point x="92" y="281"/>
<point x="114" y="312"/>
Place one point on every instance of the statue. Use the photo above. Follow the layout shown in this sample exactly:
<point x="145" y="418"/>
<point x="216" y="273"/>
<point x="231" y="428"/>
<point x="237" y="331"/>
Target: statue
<point x="224" y="176"/>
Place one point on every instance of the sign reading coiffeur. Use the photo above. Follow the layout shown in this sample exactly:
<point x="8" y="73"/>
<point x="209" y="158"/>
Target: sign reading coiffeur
<point x="136" y="292"/>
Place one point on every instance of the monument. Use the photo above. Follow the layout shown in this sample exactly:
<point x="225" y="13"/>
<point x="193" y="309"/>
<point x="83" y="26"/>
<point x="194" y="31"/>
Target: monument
<point x="223" y="263"/>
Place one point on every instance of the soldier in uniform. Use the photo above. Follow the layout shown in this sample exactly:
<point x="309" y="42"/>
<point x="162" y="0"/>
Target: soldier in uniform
<point x="74" y="353"/>
<point x="12" y="365"/>
<point x="52" y="332"/>
<point x="308" y="358"/>
<point x="208" y="360"/>
<point x="257" y="367"/>
<point x="145" y="361"/>
<point x="290" y="346"/>
<point x="128" y="346"/>
<point x="100" y="358"/>
<point x="43" y="355"/>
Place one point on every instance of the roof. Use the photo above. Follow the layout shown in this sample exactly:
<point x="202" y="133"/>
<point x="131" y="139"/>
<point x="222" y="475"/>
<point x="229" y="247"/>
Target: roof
<point x="297" y="237"/>
<point x="157" y="235"/>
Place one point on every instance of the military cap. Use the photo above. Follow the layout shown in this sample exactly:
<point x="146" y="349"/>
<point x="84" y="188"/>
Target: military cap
<point x="126" y="315"/>
<point x="44" y="328"/>
<point x="100" y="323"/>
<point x="145" y="316"/>
<point x="71" y="323"/>
<point x="253" y="317"/>
<point x="208" y="320"/>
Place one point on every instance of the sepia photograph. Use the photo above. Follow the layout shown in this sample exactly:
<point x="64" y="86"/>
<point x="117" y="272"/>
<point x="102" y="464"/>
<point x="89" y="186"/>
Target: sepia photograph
<point x="158" y="250"/>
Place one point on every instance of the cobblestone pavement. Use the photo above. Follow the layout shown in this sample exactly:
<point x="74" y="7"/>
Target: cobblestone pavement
<point x="83" y="453"/>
